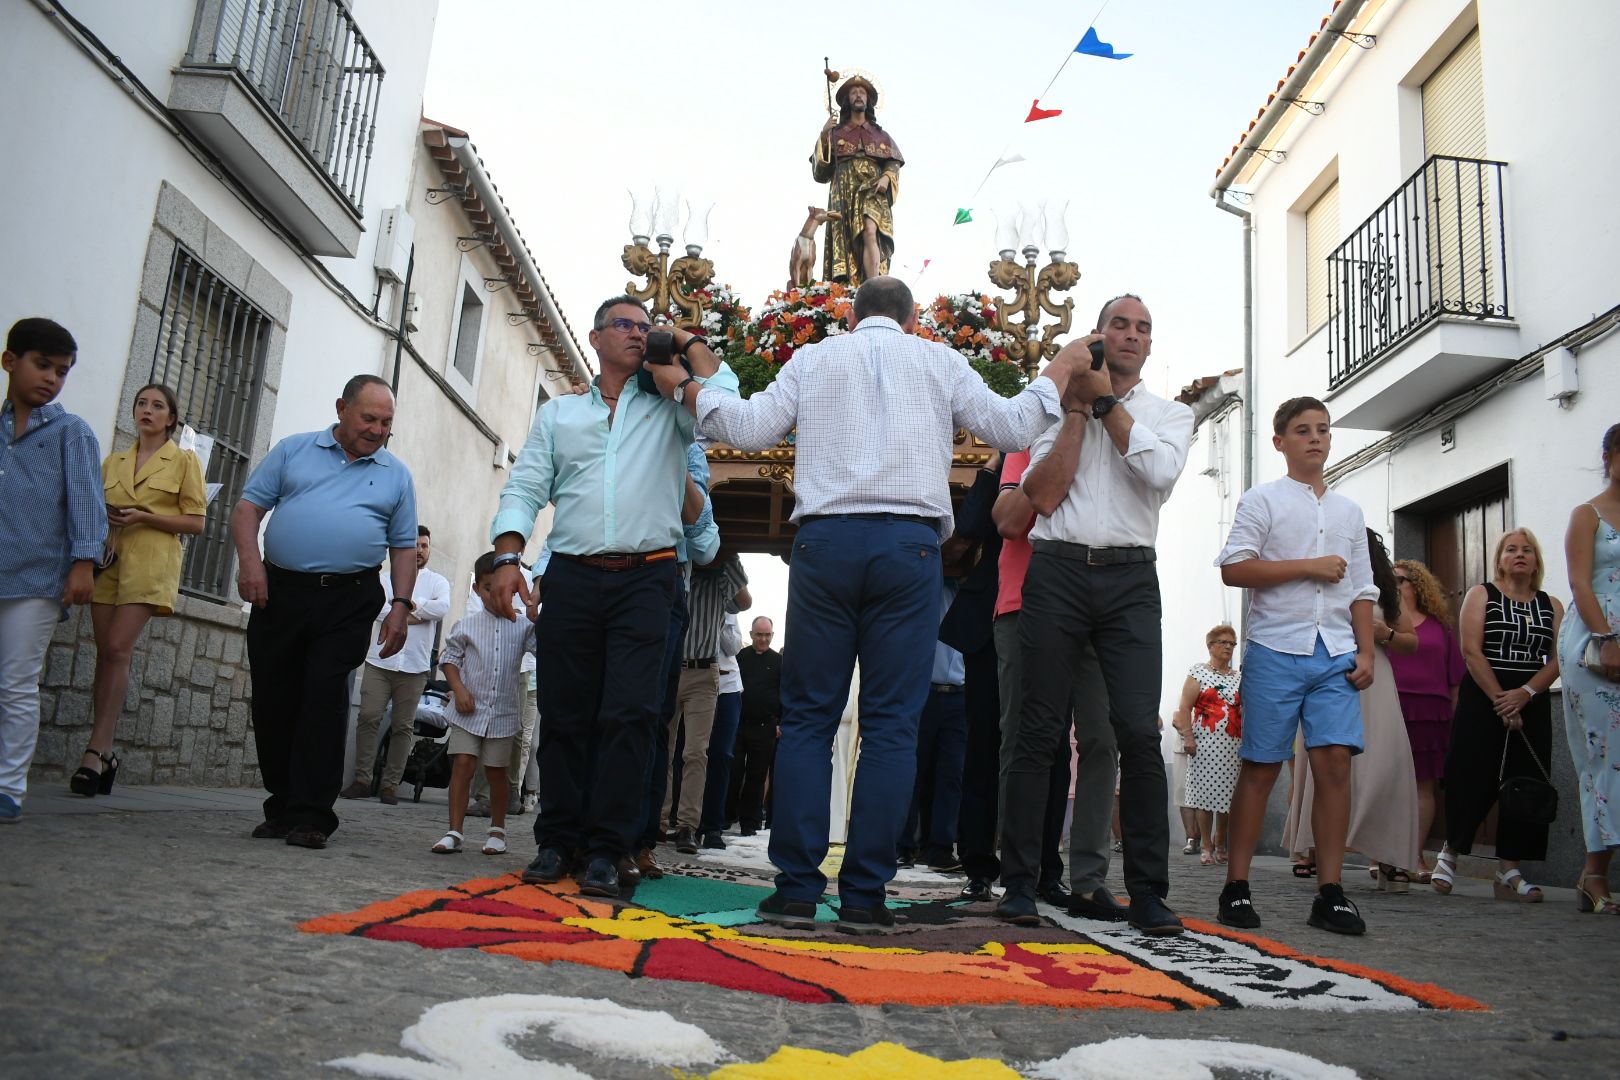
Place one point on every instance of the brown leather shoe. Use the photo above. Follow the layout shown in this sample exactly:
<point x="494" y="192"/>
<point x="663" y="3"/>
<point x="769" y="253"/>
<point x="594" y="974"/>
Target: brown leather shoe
<point x="360" y="789"/>
<point x="686" y="840"/>
<point x="388" y="796"/>
<point x="629" y="872"/>
<point x="648" y="865"/>
<point x="306" y="836"/>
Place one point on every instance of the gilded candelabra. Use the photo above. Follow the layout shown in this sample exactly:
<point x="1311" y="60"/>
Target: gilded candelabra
<point x="671" y="284"/>
<point x="1032" y="296"/>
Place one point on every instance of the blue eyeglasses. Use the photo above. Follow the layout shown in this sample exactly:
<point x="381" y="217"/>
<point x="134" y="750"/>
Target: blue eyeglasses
<point x="627" y="325"/>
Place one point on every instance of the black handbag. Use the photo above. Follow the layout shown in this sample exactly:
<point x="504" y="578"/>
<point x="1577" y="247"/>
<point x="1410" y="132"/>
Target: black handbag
<point x="1526" y="799"/>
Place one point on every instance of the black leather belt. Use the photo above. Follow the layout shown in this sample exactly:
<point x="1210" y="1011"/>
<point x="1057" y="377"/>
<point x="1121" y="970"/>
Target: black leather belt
<point x="915" y="519"/>
<point x="691" y="665"/>
<point x="1096" y="556"/>
<point x="320" y="581"/>
<point x="945" y="687"/>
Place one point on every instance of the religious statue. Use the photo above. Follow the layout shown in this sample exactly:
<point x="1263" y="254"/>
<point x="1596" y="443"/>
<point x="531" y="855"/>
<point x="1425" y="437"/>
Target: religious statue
<point x="862" y="164"/>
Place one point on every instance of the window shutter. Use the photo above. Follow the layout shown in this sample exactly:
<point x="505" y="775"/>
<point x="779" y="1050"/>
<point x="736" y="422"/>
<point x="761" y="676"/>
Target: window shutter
<point x="1321" y="237"/>
<point x="1454" y="104"/>
<point x="1460" y="213"/>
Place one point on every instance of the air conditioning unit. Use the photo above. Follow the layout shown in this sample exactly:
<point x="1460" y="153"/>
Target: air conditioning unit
<point x="413" y="312"/>
<point x="395" y="234"/>
<point x="500" y="455"/>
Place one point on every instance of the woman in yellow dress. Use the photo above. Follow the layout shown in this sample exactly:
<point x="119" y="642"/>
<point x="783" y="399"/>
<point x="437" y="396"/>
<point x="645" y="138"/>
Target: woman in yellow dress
<point x="154" y="492"/>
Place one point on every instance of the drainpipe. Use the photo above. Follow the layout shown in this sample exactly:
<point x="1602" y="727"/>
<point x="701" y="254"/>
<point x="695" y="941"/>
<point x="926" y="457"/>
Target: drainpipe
<point x="1249" y="378"/>
<point x="404" y="313"/>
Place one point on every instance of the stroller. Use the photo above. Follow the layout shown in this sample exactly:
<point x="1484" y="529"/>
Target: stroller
<point x="429" y="763"/>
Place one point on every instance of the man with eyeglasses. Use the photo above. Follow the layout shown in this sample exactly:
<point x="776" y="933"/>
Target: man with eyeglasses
<point x="876" y="412"/>
<point x="613" y="465"/>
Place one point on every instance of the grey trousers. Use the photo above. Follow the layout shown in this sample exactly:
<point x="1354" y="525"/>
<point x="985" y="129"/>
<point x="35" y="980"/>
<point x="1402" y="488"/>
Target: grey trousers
<point x="378" y="687"/>
<point x="1090" y="828"/>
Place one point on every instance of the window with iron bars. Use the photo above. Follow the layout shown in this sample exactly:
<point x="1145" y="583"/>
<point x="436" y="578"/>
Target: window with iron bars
<point x="211" y="349"/>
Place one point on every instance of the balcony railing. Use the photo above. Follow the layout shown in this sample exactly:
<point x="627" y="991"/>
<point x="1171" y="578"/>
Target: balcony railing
<point x="309" y="64"/>
<point x="1438" y="246"/>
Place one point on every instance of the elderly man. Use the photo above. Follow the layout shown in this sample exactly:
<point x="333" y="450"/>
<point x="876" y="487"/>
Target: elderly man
<point x="340" y="501"/>
<point x="876" y="410"/>
<point x="398" y="680"/>
<point x="1096" y="483"/>
<point x="613" y="464"/>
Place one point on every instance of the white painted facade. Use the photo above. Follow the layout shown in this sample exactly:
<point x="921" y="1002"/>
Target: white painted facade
<point x="1548" y="79"/>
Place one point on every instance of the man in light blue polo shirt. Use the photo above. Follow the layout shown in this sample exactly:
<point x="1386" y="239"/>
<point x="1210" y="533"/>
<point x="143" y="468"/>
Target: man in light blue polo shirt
<point x="340" y="502"/>
<point x="613" y="464"/>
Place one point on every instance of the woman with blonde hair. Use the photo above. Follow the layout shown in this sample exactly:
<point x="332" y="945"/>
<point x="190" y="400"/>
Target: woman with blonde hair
<point x="1592" y="682"/>
<point x="1427" y="678"/>
<point x="155" y="494"/>
<point x="1503" y="726"/>
<point x="1210" y="722"/>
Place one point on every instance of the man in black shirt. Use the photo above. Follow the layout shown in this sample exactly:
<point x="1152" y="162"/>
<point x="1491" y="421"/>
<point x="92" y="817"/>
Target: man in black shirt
<point x="761" y="669"/>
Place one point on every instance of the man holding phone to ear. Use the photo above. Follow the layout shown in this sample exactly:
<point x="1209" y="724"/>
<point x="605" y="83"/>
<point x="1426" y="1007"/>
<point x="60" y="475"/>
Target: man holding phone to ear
<point x="613" y="464"/>
<point x="1096" y="481"/>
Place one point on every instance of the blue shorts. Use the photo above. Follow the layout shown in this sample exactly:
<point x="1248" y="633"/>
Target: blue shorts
<point x="1282" y="691"/>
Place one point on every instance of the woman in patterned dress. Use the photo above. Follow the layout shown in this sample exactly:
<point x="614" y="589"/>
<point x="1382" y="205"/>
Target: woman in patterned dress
<point x="1592" y="695"/>
<point x="1507" y="627"/>
<point x="1428" y="680"/>
<point x="1210" y="720"/>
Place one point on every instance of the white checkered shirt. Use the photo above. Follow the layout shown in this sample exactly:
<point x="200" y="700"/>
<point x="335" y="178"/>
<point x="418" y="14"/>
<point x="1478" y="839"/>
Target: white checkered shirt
<point x="877" y="411"/>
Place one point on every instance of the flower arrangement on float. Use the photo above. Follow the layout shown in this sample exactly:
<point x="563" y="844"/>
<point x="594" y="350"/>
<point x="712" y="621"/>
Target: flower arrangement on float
<point x="965" y="322"/>
<point x="725" y="316"/>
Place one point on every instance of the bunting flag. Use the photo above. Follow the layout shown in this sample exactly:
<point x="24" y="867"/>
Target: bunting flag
<point x="1038" y="113"/>
<point x="1090" y="45"/>
<point x="1007" y="159"/>
<point x="963" y="216"/>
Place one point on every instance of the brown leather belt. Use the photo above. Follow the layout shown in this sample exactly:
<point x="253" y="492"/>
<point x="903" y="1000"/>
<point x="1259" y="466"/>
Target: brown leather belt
<point x="615" y="560"/>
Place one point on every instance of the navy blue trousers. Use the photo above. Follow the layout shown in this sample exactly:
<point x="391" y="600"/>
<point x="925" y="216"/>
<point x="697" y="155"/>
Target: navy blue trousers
<point x="867" y="590"/>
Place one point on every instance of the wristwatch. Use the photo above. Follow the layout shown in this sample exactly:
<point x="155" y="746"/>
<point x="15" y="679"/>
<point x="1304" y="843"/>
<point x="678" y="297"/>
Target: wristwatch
<point x="679" y="396"/>
<point x="1102" y="405"/>
<point x="511" y="558"/>
<point x="691" y="340"/>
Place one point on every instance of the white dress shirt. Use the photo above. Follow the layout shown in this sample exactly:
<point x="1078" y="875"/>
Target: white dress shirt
<point x="1284" y="520"/>
<point x="725" y="657"/>
<point x="431" y="595"/>
<point x="877" y="411"/>
<point x="1114" y="499"/>
<point x="487" y="651"/>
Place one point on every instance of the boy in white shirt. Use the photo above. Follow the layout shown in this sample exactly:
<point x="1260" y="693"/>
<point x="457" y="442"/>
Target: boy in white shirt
<point x="1301" y="550"/>
<point x="480" y="661"/>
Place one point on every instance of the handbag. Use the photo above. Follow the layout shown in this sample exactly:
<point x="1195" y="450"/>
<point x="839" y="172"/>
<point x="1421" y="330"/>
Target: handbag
<point x="1592" y="655"/>
<point x="1524" y="798"/>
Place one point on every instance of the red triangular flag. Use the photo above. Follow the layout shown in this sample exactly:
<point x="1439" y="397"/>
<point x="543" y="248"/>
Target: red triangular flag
<point x="1038" y="113"/>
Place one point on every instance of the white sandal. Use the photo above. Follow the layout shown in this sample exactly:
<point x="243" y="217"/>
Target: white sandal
<point x="1445" y="865"/>
<point x="450" y="845"/>
<point x="496" y="844"/>
<point x="1512" y="886"/>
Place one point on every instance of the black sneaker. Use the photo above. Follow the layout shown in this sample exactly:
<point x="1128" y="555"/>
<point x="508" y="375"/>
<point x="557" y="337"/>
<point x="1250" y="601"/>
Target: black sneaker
<point x="854" y="920"/>
<point x="1333" y="911"/>
<point x="789" y="914"/>
<point x="946" y="864"/>
<point x="1237" y="909"/>
<point x="1151" y="915"/>
<point x="546" y="869"/>
<point x="905" y="858"/>
<point x="1018" y="907"/>
<point x="976" y="891"/>
<point x="713" y="840"/>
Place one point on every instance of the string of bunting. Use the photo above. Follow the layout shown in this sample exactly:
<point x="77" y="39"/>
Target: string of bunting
<point x="1090" y="45"/>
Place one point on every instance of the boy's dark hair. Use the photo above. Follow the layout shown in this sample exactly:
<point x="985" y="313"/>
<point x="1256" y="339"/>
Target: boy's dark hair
<point x="423" y="530"/>
<point x="484" y="567"/>
<point x="1292" y="408"/>
<point x="41" y="336"/>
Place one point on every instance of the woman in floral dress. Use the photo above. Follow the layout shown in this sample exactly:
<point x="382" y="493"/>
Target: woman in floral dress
<point x="1210" y="720"/>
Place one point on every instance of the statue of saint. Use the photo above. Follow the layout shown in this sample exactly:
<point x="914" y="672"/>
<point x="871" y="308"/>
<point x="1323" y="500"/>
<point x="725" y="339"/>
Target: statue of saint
<point x="862" y="163"/>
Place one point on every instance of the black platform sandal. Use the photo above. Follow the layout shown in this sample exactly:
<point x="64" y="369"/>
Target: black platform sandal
<point x="89" y="783"/>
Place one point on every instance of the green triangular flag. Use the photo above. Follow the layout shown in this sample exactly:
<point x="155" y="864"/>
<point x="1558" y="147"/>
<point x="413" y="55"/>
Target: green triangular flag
<point x="963" y="217"/>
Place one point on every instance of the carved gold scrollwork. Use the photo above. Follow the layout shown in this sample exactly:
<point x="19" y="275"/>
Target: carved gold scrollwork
<point x="1032" y="295"/>
<point x="668" y="284"/>
<point x="781" y="472"/>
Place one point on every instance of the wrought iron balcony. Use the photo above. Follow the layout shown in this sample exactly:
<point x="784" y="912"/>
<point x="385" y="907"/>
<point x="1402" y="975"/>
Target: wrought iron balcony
<point x="1437" y="247"/>
<point x="286" y="93"/>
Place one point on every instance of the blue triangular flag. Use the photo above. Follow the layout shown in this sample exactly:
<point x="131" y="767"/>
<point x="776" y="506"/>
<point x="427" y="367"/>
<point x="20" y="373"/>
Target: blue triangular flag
<point x="1090" y="46"/>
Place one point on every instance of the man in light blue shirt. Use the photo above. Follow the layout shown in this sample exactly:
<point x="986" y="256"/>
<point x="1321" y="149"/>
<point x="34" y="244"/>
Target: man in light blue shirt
<point x="337" y="503"/>
<point x="613" y="463"/>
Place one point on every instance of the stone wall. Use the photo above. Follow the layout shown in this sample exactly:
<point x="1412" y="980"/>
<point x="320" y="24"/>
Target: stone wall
<point x="185" y="718"/>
